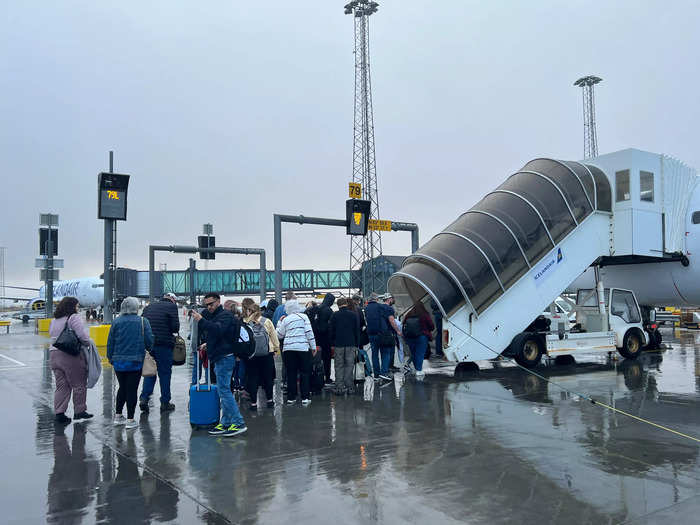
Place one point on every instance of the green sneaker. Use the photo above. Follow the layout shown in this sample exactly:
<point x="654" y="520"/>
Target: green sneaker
<point x="234" y="430"/>
<point x="218" y="430"/>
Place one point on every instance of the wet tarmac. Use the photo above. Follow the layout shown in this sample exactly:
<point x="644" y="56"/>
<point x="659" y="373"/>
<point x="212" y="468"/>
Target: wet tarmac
<point x="502" y="446"/>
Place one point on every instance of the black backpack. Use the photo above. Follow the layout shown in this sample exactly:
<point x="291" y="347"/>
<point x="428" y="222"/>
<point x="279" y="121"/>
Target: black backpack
<point x="411" y="327"/>
<point x="241" y="348"/>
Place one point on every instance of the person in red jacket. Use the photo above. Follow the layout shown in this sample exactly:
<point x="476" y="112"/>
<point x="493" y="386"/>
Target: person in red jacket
<point x="417" y="329"/>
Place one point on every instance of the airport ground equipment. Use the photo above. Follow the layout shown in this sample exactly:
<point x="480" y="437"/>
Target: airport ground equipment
<point x="6" y="324"/>
<point x="195" y="249"/>
<point x="503" y="262"/>
<point x="614" y="324"/>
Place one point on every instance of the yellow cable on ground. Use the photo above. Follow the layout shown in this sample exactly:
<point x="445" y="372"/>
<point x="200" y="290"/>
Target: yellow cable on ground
<point x="644" y="420"/>
<point x="584" y="396"/>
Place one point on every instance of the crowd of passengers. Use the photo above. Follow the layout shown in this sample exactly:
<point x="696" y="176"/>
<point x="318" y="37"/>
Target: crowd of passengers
<point x="310" y="339"/>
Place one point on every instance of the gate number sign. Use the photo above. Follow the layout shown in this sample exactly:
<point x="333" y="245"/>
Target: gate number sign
<point x="111" y="196"/>
<point x="355" y="190"/>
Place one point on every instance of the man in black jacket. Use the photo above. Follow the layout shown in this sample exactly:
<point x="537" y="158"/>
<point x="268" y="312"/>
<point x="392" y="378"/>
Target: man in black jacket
<point x="344" y="329"/>
<point x="221" y="329"/>
<point x="323" y="339"/>
<point x="163" y="316"/>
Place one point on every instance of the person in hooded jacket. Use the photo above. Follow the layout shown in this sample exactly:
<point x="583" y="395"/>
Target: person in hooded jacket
<point x="324" y="339"/>
<point x="270" y="308"/>
<point x="299" y="344"/>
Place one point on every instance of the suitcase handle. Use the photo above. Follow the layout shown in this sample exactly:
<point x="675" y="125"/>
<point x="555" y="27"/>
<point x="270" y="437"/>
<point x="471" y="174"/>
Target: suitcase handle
<point x="194" y="340"/>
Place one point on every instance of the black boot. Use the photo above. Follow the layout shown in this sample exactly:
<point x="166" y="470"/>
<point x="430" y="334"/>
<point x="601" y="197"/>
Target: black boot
<point x="167" y="407"/>
<point x="82" y="415"/>
<point x="62" y="418"/>
<point x="143" y="405"/>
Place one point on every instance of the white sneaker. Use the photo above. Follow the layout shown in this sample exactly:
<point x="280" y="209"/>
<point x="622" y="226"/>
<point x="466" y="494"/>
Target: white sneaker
<point x="132" y="423"/>
<point x="119" y="419"/>
<point x="420" y="373"/>
<point x="305" y="401"/>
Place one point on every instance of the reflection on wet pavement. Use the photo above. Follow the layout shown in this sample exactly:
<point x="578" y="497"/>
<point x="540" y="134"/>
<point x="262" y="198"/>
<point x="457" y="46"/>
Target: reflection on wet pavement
<point x="499" y="446"/>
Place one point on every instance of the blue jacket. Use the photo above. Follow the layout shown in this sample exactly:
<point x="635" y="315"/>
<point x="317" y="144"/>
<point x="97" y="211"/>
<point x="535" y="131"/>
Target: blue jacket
<point x="164" y="320"/>
<point x="377" y="316"/>
<point x="125" y="342"/>
<point x="220" y="330"/>
<point x="279" y="312"/>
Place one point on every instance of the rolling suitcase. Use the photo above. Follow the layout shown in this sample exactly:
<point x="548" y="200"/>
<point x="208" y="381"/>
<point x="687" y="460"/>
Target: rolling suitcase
<point x="204" y="398"/>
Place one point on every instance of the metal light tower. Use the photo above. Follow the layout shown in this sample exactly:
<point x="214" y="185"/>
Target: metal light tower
<point x="364" y="249"/>
<point x="590" y="138"/>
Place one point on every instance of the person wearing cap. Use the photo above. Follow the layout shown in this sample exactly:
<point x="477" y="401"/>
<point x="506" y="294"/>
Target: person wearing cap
<point x="164" y="320"/>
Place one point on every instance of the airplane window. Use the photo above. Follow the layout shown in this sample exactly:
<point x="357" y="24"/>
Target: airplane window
<point x="696" y="217"/>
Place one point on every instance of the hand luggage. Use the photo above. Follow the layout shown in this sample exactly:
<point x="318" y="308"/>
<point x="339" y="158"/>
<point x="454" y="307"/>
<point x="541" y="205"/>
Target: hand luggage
<point x="179" y="351"/>
<point x="317" y="373"/>
<point x="204" y="398"/>
<point x="359" y="372"/>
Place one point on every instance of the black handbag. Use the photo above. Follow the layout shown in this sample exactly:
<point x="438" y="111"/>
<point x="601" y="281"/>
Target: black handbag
<point x="67" y="341"/>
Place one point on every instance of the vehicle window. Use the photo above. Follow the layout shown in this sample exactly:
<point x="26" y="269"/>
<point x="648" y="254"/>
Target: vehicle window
<point x="624" y="306"/>
<point x="622" y="185"/>
<point x="696" y="217"/>
<point x="646" y="186"/>
<point x="588" y="297"/>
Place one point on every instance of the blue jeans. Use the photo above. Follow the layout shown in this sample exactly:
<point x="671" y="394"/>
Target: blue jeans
<point x="368" y="365"/>
<point x="239" y="373"/>
<point x="385" y="352"/>
<point x="164" y="361"/>
<point x="418" y="346"/>
<point x="229" y="408"/>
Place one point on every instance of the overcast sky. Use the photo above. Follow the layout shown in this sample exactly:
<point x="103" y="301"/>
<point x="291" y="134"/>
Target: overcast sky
<point x="228" y="112"/>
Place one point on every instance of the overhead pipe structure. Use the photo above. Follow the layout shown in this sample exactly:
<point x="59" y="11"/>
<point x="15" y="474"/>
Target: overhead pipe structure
<point x="301" y="219"/>
<point x="194" y="249"/>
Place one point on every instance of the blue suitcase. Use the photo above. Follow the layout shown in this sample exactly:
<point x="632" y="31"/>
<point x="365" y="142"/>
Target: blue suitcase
<point x="204" y="398"/>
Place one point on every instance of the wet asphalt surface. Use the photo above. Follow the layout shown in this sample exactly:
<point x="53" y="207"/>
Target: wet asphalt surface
<point x="502" y="446"/>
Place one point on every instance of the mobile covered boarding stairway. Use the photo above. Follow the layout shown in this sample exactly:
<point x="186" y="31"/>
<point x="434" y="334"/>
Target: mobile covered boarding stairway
<point x="502" y="263"/>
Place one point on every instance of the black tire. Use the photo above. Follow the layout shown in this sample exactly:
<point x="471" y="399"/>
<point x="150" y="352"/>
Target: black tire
<point x="25" y="319"/>
<point x="655" y="339"/>
<point x="631" y="344"/>
<point x="527" y="349"/>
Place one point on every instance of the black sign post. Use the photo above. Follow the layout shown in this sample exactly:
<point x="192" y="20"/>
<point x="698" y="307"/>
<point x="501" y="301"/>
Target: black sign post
<point x="111" y="207"/>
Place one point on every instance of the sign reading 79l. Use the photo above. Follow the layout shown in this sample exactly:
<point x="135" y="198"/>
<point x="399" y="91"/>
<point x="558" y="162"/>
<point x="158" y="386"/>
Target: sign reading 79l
<point x="111" y="196"/>
<point x="355" y="190"/>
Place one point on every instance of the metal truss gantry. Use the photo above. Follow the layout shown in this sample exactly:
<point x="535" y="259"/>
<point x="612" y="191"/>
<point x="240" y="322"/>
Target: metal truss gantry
<point x="590" y="137"/>
<point x="364" y="166"/>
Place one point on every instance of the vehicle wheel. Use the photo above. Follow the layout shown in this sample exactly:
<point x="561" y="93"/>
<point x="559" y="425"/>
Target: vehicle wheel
<point x="657" y="338"/>
<point x="25" y="319"/>
<point x="527" y="349"/>
<point x="631" y="345"/>
<point x="466" y="370"/>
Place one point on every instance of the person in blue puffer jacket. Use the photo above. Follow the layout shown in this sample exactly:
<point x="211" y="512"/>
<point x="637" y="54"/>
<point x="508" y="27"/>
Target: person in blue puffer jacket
<point x="129" y="338"/>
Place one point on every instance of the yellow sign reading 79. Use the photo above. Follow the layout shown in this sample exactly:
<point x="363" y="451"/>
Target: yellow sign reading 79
<point x="355" y="190"/>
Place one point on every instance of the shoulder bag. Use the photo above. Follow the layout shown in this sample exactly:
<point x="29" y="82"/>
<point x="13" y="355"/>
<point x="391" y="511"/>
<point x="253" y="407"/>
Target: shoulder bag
<point x="179" y="351"/>
<point x="67" y="341"/>
<point x="149" y="364"/>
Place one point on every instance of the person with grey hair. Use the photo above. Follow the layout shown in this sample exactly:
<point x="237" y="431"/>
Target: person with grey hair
<point x="129" y="338"/>
<point x="299" y="343"/>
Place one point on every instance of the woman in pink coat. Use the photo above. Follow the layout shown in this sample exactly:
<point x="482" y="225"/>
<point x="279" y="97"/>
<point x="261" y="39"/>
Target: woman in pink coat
<point x="70" y="371"/>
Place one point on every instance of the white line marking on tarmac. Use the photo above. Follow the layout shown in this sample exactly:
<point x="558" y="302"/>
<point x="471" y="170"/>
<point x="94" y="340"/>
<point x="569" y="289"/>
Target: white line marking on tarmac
<point x="13" y="360"/>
